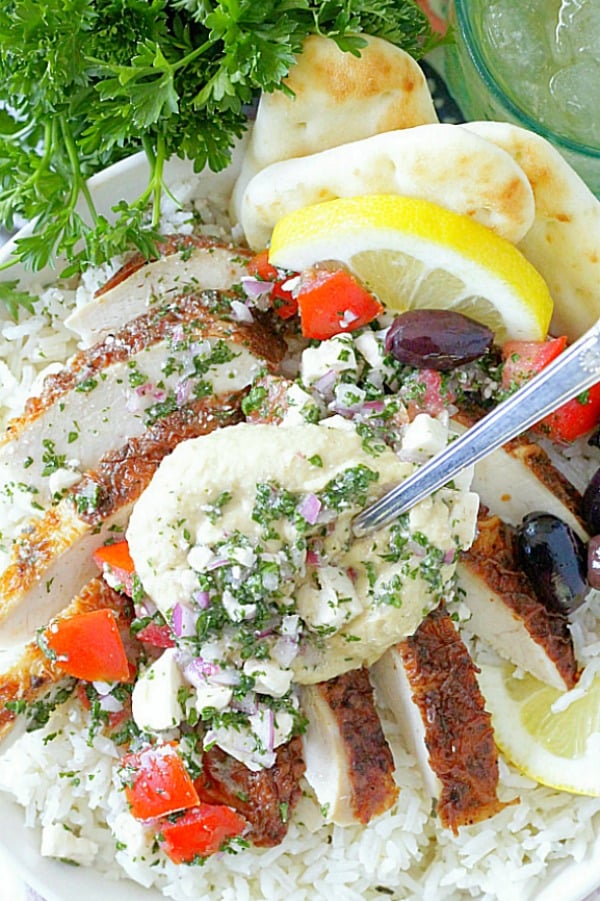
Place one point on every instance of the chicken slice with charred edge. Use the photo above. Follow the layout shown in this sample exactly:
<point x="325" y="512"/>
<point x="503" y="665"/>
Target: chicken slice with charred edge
<point x="266" y="798"/>
<point x="113" y="391"/>
<point x="520" y="477"/>
<point x="33" y="674"/>
<point x="429" y="683"/>
<point x="505" y="611"/>
<point x="349" y="764"/>
<point x="187" y="263"/>
<point x="52" y="560"/>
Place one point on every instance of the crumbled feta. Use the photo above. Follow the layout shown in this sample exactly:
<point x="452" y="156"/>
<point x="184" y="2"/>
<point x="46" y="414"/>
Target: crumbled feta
<point x="62" y="479"/>
<point x="329" y="599"/>
<point x="57" y="841"/>
<point x="270" y="679"/>
<point x="212" y="695"/>
<point x="334" y="355"/>
<point x="199" y="557"/>
<point x="424" y="436"/>
<point x="155" y="703"/>
<point x="131" y="833"/>
<point x="299" y="404"/>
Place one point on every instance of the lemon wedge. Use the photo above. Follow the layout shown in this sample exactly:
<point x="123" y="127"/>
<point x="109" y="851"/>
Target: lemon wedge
<point x="412" y="254"/>
<point x="559" y="748"/>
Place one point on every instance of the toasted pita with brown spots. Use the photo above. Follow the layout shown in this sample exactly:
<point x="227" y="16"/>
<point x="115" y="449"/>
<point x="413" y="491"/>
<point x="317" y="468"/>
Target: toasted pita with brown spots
<point x="564" y="241"/>
<point x="442" y="163"/>
<point x="337" y="97"/>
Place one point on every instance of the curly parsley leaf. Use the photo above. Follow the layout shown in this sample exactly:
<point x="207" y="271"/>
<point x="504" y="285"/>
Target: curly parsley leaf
<point x="86" y="83"/>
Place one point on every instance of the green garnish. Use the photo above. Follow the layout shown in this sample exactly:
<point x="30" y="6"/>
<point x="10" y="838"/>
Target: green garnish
<point x="86" y="83"/>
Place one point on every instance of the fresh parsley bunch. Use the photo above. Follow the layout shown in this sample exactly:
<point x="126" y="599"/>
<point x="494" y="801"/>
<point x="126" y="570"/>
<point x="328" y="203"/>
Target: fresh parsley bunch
<point x="87" y="82"/>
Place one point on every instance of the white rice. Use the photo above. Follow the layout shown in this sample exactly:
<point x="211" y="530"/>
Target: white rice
<point x="402" y="854"/>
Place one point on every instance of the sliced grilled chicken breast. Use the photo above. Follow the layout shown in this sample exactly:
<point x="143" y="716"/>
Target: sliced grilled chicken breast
<point x="429" y="683"/>
<point x="506" y="613"/>
<point x="187" y="263"/>
<point x="33" y="674"/>
<point x="52" y="560"/>
<point x="519" y="478"/>
<point x="267" y="798"/>
<point x="349" y="764"/>
<point x="113" y="391"/>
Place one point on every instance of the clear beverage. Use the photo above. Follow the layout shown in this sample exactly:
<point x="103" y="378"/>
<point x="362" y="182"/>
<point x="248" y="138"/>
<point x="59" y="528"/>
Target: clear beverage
<point x="536" y="63"/>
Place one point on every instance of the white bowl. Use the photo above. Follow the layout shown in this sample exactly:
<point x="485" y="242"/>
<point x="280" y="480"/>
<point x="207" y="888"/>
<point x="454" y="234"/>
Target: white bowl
<point x="56" y="881"/>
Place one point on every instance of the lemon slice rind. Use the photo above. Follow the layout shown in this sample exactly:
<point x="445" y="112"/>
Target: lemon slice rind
<point x="563" y="750"/>
<point x="491" y="270"/>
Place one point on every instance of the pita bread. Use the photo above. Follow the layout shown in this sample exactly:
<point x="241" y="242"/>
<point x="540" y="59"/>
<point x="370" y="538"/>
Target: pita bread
<point x="564" y="240"/>
<point x="337" y="97"/>
<point x="442" y="163"/>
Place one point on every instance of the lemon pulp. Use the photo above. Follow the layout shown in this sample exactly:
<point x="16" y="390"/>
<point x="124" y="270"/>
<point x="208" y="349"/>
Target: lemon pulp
<point x="415" y="254"/>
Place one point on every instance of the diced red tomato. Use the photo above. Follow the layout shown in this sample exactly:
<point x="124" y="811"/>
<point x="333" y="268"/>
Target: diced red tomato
<point x="156" y="635"/>
<point x="575" y="418"/>
<point x="200" y="832"/>
<point x="523" y="360"/>
<point x="89" y="646"/>
<point x="260" y="267"/>
<point x="432" y="397"/>
<point x="159" y="784"/>
<point x="284" y="304"/>
<point x="331" y="300"/>
<point x="114" y="561"/>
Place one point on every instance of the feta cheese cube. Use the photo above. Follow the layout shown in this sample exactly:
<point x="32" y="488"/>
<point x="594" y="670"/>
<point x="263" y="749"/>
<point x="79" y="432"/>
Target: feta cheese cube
<point x="212" y="695"/>
<point x="329" y="600"/>
<point x="337" y="354"/>
<point x="57" y="841"/>
<point x="154" y="701"/>
<point x="270" y="679"/>
<point x="300" y="403"/>
<point x="424" y="436"/>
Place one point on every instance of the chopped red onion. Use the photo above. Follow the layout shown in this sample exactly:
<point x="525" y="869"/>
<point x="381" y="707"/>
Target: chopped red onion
<point x="103" y="688"/>
<point x="284" y="651"/>
<point x="202" y="599"/>
<point x="255" y="287"/>
<point x="110" y="704"/>
<point x="216" y="564"/>
<point x="310" y="508"/>
<point x="225" y="677"/>
<point x="183" y="391"/>
<point x="374" y="406"/>
<point x="198" y="670"/>
<point x="325" y="384"/>
<point x="449" y="556"/>
<point x="263" y="726"/>
<point x="240" y="312"/>
<point x="184" y="621"/>
<point x="247" y="704"/>
<point x="143" y="390"/>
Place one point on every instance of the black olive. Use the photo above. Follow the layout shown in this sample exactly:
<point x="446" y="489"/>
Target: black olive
<point x="554" y="558"/>
<point x="437" y="339"/>
<point x="590" y="506"/>
<point x="593" y="561"/>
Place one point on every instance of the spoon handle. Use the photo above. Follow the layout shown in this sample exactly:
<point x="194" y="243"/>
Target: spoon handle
<point x="568" y="376"/>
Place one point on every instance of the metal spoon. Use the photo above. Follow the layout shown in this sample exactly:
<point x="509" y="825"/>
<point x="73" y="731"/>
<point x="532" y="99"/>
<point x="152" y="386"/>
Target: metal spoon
<point x="568" y="376"/>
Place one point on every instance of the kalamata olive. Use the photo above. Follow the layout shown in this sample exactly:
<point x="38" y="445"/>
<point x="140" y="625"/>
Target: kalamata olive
<point x="437" y="339"/>
<point x="554" y="558"/>
<point x="590" y="506"/>
<point x="593" y="561"/>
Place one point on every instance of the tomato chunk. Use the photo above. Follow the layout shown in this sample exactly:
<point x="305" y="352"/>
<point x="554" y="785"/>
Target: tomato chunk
<point x="283" y="302"/>
<point x="115" y="563"/>
<point x="156" y="635"/>
<point x="89" y="646"/>
<point x="200" y="832"/>
<point x="331" y="300"/>
<point x="159" y="783"/>
<point x="523" y="360"/>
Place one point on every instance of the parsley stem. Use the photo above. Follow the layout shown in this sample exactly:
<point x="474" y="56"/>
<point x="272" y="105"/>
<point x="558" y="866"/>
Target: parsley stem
<point x="79" y="185"/>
